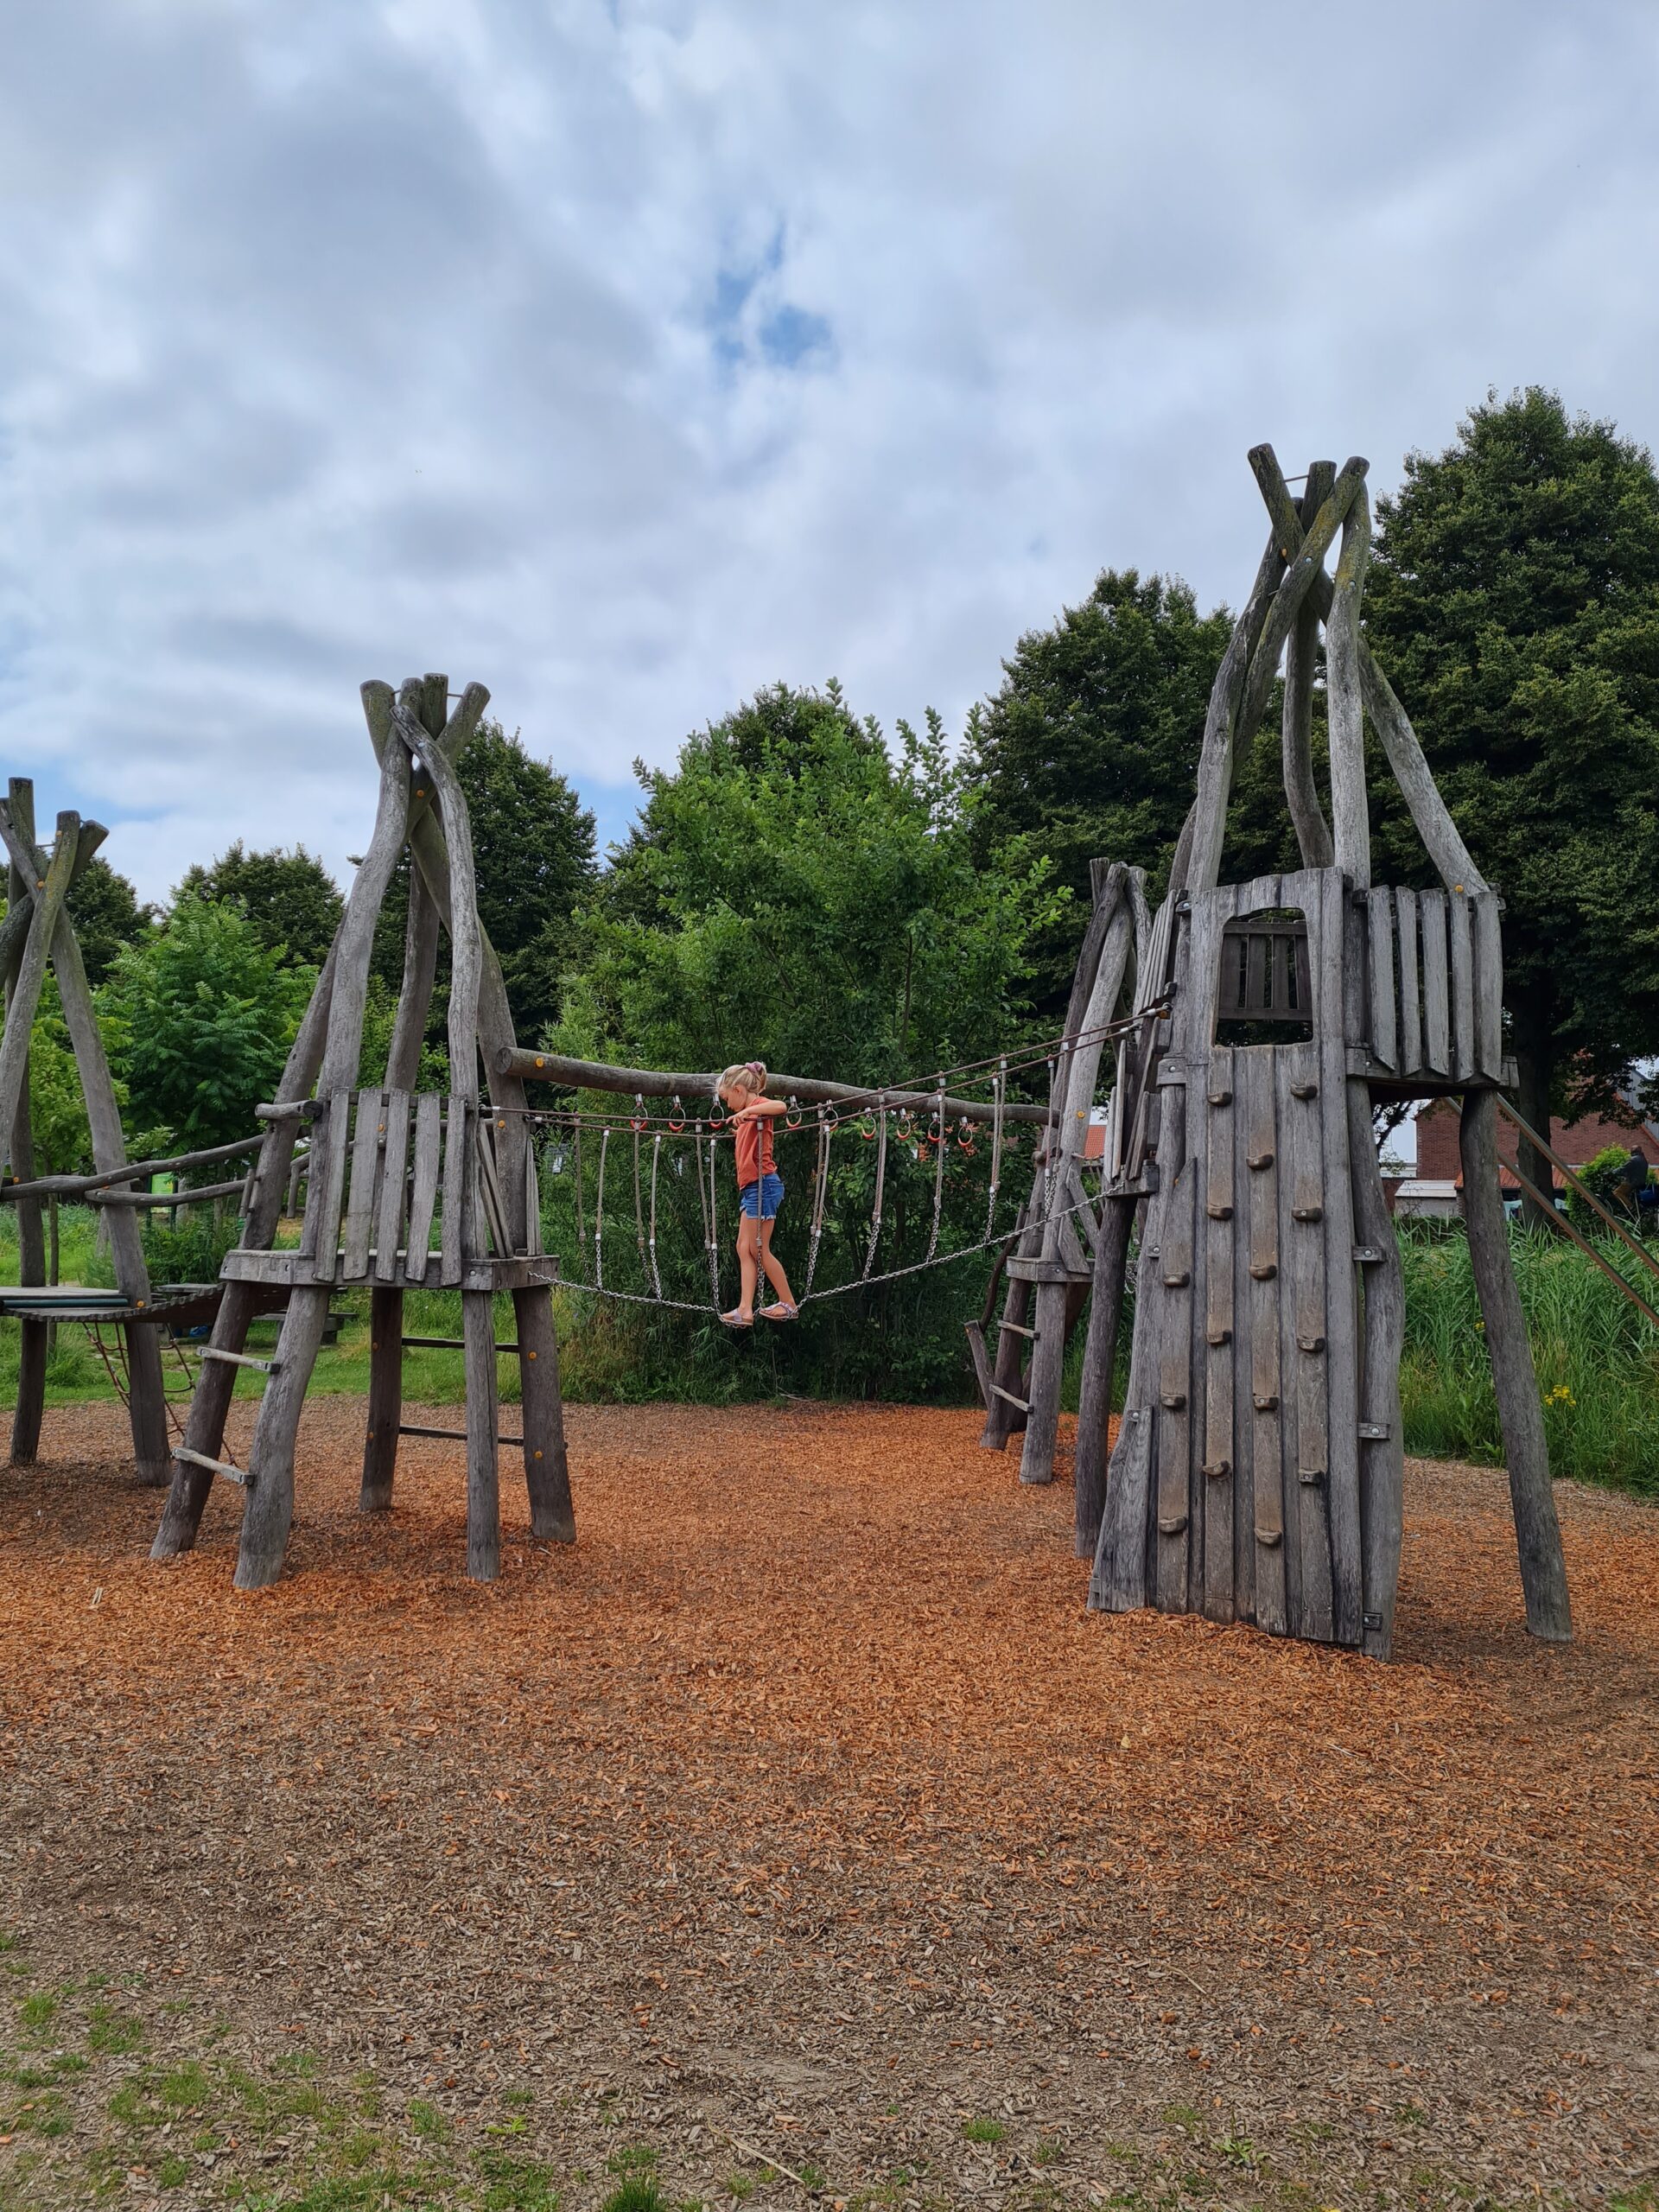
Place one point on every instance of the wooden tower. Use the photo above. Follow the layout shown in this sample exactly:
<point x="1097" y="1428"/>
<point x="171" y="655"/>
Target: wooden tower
<point x="1258" y="1471"/>
<point x="38" y="931"/>
<point x="405" y="1189"/>
<point x="1257" y="1474"/>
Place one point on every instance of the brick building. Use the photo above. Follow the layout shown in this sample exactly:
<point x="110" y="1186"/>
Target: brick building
<point x="1439" y="1169"/>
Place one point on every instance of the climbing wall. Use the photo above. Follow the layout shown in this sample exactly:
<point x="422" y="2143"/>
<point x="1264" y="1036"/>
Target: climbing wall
<point x="1234" y="1489"/>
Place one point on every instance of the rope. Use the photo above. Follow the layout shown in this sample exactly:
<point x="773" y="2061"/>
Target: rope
<point x="996" y="1145"/>
<point x="656" y="1158"/>
<point x="838" y="1290"/>
<point x="941" y="1143"/>
<point x="826" y="1130"/>
<point x="599" y="1214"/>
<point x="881" y="1184"/>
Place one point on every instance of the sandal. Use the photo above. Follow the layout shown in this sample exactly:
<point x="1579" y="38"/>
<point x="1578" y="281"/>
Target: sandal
<point x="734" y="1319"/>
<point x="780" y="1311"/>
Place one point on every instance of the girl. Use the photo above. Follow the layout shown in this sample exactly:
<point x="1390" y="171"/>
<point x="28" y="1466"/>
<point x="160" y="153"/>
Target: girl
<point x="759" y="1193"/>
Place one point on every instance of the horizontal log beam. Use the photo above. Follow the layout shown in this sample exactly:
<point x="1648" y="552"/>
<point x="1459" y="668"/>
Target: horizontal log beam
<point x="189" y="1197"/>
<point x="650" y="1082"/>
<point x="65" y="1186"/>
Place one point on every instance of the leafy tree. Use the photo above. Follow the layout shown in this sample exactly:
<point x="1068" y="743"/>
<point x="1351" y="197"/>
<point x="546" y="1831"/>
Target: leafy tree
<point x="202" y="1016"/>
<point x="57" y="1107"/>
<point x="1514" y="600"/>
<point x="533" y="842"/>
<point x="291" y="902"/>
<point x="1090" y="747"/>
<point x="809" y="896"/>
<point x="107" y="915"/>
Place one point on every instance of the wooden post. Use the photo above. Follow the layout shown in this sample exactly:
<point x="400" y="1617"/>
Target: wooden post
<point x="31" y="1250"/>
<point x="1381" y="1451"/>
<point x="1099" y="1363"/>
<point x="386" y="1398"/>
<point x="547" y="1468"/>
<point x="1312" y="833"/>
<point x="1537" y="1531"/>
<point x="270" y="1514"/>
<point x="210" y="1401"/>
<point x="483" y="1477"/>
<point x="1075" y="1091"/>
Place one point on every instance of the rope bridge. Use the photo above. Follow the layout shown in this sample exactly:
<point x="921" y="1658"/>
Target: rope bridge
<point x="925" y="1115"/>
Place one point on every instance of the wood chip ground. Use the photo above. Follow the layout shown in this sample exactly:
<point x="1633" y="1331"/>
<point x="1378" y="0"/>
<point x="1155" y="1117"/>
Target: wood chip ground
<point x="801" y="1814"/>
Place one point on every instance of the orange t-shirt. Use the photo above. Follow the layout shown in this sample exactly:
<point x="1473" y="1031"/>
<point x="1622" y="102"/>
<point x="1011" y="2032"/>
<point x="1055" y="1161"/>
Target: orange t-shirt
<point x="754" y="1159"/>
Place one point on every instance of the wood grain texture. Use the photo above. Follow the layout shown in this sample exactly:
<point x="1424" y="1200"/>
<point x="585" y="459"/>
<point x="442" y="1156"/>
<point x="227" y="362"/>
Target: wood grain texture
<point x="1537" y="1531"/>
<point x="1437" y="991"/>
<point x="270" y="1512"/>
<point x="386" y="1398"/>
<point x="1381" y="996"/>
<point x="1461" y="934"/>
<point x="423" y="1187"/>
<point x="1341" y="956"/>
<point x="1489" y="987"/>
<point x="1262" y="1410"/>
<point x="1349" y="813"/>
<point x="1382" y="1458"/>
<point x="458" y="1171"/>
<point x="1301" y="660"/>
<point x="394" y="1186"/>
<point x="483" y="1469"/>
<point x="1411" y="993"/>
<point x="1099" y="1366"/>
<point x="368" y="1137"/>
<point x="547" y="1468"/>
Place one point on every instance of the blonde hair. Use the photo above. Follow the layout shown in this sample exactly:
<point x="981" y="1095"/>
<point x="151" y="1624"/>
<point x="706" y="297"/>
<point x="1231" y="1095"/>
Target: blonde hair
<point x="751" y="1074"/>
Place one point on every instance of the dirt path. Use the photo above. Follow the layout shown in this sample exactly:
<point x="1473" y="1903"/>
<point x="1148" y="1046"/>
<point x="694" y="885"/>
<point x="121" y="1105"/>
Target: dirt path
<point x="802" y="1804"/>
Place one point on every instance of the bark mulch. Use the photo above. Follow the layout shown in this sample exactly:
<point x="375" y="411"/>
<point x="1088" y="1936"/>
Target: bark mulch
<point x="799" y="1818"/>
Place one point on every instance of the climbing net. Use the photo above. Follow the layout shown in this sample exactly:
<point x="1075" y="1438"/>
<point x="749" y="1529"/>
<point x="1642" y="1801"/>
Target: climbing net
<point x="629" y="1144"/>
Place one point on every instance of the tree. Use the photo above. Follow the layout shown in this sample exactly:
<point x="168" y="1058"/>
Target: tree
<point x="292" y="903"/>
<point x="107" y="914"/>
<point x="533" y="842"/>
<point x="1090" y="747"/>
<point x="202" y="1015"/>
<point x="1513" y="600"/>
<point x="816" y="900"/>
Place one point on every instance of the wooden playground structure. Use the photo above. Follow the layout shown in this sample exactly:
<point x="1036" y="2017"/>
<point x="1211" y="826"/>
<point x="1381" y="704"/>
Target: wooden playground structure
<point x="1237" y="1041"/>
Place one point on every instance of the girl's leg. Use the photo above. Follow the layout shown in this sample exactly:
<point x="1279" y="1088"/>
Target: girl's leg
<point x="748" y="1245"/>
<point x="773" y="1265"/>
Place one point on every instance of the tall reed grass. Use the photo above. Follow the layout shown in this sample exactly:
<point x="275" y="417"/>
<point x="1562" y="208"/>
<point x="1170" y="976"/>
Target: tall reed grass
<point x="1597" y="1357"/>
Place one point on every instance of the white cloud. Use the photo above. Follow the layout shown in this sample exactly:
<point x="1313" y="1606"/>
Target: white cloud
<point x="630" y="358"/>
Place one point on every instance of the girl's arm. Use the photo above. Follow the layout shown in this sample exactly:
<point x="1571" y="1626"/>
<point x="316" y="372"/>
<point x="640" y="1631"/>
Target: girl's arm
<point x="761" y="1110"/>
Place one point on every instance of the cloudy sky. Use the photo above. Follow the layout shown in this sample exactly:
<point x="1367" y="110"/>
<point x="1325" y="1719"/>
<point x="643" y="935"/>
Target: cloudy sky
<point x="628" y="357"/>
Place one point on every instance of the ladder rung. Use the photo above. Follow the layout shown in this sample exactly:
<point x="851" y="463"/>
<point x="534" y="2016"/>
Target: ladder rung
<point x="1023" y="1404"/>
<point x="240" y="1359"/>
<point x="214" y="1466"/>
<point x="449" y="1343"/>
<point x="458" y="1435"/>
<point x="1019" y="1329"/>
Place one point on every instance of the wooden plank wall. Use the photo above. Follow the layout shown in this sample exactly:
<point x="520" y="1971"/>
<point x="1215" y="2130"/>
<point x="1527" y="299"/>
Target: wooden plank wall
<point x="1434" y="984"/>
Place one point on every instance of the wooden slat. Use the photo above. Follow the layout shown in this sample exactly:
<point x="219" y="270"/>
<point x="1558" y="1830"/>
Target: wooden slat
<point x="1259" y="1364"/>
<point x="1302" y="1327"/>
<point x="483" y="1461"/>
<point x="1172" y="1354"/>
<point x="1489" y="987"/>
<point x="320" y="1236"/>
<point x="423" y="1190"/>
<point x="369" y="1136"/>
<point x="1118" y="1583"/>
<point x="389" y="1215"/>
<point x="457" y="1175"/>
<point x="1463" y="986"/>
<point x="1255" y="994"/>
<point x="1380" y="911"/>
<point x="1411" y="999"/>
<point x="1437" y="1006"/>
<point x="1341" y="952"/>
<point x="1217" y="1467"/>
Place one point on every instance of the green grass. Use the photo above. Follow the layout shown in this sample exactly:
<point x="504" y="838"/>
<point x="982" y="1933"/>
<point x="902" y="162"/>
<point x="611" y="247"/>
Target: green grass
<point x="984" y="2131"/>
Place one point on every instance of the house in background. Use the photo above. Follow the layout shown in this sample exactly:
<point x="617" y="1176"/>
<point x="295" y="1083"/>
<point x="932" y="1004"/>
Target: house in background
<point x="1437" y="1186"/>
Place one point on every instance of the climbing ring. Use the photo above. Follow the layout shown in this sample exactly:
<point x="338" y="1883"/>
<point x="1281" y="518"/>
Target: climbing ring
<point x="793" y="1115"/>
<point x="676" y="1115"/>
<point x="829" y="1120"/>
<point x="639" y="1119"/>
<point x="867" y="1125"/>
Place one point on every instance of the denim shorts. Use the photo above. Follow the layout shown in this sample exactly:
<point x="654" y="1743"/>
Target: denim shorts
<point x="761" y="1200"/>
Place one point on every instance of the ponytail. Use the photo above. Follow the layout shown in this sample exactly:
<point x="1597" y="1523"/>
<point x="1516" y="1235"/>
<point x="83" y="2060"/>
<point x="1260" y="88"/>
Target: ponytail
<point x="751" y="1074"/>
